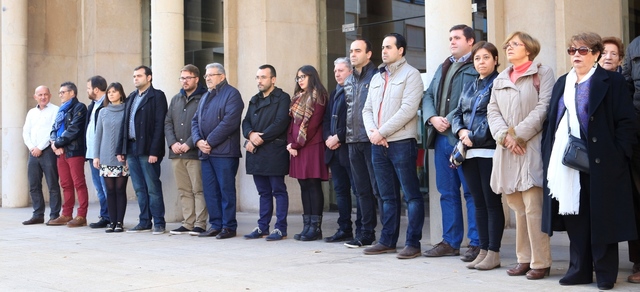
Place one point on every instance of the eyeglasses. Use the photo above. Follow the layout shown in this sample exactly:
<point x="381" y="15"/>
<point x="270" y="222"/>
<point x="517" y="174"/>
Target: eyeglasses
<point x="211" y="75"/>
<point x="187" y="78"/>
<point x="63" y="92"/>
<point x="513" y="45"/>
<point x="300" y="78"/>
<point x="581" y="50"/>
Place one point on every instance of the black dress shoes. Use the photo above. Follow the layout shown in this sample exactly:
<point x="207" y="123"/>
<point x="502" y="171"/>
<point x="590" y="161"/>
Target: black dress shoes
<point x="209" y="233"/>
<point x="226" y="233"/>
<point x="33" y="220"/>
<point x="339" y="236"/>
<point x="605" y="286"/>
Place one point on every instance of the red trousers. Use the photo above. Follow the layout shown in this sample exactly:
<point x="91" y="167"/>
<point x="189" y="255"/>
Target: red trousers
<point x="71" y="172"/>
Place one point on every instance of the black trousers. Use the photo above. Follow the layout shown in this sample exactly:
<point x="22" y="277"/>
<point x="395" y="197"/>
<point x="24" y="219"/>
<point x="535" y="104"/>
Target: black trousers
<point x="634" y="245"/>
<point x="584" y="255"/>
<point x="489" y="213"/>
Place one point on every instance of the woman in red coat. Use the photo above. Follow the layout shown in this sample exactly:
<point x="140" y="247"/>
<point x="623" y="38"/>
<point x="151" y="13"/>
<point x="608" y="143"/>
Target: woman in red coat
<point x="306" y="148"/>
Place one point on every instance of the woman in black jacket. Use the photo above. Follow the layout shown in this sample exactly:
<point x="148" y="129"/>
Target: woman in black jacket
<point x="470" y="124"/>
<point x="593" y="206"/>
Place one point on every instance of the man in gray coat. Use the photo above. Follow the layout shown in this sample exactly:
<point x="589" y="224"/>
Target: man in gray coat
<point x="184" y="154"/>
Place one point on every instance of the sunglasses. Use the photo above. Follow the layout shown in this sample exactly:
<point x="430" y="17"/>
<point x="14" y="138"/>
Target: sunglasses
<point x="581" y="50"/>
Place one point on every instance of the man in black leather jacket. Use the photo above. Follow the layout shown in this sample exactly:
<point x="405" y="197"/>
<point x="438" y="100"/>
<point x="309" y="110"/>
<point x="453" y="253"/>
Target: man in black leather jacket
<point x="68" y="142"/>
<point x="356" y="88"/>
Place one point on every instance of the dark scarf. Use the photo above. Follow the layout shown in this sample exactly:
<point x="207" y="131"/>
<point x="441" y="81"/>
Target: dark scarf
<point x="58" y="126"/>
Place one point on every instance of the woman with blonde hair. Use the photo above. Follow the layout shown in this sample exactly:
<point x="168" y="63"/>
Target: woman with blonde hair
<point x="516" y="112"/>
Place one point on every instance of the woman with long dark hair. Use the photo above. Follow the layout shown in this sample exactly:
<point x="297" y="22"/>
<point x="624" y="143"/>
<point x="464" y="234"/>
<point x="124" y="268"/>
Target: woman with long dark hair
<point x="306" y="147"/>
<point x="115" y="173"/>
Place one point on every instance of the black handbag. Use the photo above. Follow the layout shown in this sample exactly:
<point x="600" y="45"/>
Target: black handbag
<point x="575" y="154"/>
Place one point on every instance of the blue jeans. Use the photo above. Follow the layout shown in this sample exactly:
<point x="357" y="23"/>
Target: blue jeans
<point x="270" y="187"/>
<point x="37" y="166"/>
<point x="342" y="184"/>
<point x="101" y="190"/>
<point x="364" y="181"/>
<point x="395" y="167"/>
<point x="219" y="186"/>
<point x="448" y="181"/>
<point x="145" y="178"/>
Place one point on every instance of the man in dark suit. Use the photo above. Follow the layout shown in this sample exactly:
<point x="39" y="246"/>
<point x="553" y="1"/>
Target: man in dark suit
<point x="336" y="154"/>
<point x="141" y="143"/>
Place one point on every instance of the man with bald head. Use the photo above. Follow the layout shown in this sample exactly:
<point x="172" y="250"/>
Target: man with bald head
<point x="42" y="160"/>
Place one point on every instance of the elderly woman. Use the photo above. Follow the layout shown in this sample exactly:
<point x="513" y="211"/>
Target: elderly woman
<point x="470" y="124"/>
<point x="612" y="55"/>
<point x="594" y="207"/>
<point x="516" y="112"/>
<point x="306" y="148"/>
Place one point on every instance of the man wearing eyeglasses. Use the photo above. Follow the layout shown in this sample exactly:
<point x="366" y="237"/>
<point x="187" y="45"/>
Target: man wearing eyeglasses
<point x="438" y="105"/>
<point x="141" y="144"/>
<point x="215" y="129"/>
<point x="184" y="154"/>
<point x="265" y="128"/>
<point x="68" y="142"/>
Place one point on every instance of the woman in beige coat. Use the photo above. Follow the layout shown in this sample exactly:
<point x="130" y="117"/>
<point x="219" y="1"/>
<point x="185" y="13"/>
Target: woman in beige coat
<point x="516" y="112"/>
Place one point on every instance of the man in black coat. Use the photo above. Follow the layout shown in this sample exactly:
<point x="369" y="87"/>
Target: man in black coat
<point x="141" y="143"/>
<point x="265" y="128"/>
<point x="336" y="154"/>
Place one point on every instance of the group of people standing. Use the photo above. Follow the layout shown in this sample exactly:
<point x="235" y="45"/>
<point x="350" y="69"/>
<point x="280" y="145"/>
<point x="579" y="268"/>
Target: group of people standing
<point x="514" y="125"/>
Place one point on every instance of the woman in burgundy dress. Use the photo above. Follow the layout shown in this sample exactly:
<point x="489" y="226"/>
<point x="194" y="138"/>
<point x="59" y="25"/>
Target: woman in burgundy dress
<point x="306" y="147"/>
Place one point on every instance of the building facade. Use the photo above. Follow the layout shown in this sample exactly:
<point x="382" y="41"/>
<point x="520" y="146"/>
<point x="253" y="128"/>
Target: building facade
<point x="52" y="41"/>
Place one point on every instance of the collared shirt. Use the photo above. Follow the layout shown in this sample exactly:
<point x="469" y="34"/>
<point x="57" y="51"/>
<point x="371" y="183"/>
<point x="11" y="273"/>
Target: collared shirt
<point x="462" y="59"/>
<point x="132" y="116"/>
<point x="37" y="126"/>
<point x="91" y="133"/>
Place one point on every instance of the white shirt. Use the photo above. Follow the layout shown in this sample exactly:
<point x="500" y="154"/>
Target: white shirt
<point x="38" y="125"/>
<point x="91" y="128"/>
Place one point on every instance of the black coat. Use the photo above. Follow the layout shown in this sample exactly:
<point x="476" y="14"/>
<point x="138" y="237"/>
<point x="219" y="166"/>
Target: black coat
<point x="149" y="123"/>
<point x="611" y="133"/>
<point x="335" y="122"/>
<point x="73" y="139"/>
<point x="270" y="116"/>
<point x="479" y="134"/>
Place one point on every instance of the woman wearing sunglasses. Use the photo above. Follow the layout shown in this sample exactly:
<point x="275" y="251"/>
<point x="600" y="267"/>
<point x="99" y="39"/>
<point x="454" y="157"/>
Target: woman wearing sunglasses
<point x="306" y="148"/>
<point x="516" y="111"/>
<point x="593" y="206"/>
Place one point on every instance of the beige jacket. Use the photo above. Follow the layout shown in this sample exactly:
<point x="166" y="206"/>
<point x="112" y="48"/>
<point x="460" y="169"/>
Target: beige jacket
<point x="518" y="110"/>
<point x="399" y="119"/>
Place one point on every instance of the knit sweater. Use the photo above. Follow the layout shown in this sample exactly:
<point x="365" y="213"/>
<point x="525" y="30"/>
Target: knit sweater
<point x="107" y="130"/>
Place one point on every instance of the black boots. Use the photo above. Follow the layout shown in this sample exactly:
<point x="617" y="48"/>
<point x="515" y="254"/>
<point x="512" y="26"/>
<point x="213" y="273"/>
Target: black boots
<point x="307" y="220"/>
<point x="315" y="229"/>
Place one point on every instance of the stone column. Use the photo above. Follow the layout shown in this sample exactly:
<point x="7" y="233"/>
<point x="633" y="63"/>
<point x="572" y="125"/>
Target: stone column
<point x="14" y="103"/>
<point x="439" y="17"/>
<point x="251" y="31"/>
<point x="167" y="58"/>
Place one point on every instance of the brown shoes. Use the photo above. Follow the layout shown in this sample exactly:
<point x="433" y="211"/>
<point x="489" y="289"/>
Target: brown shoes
<point x="537" y="274"/>
<point x="378" y="249"/>
<point x="408" y="252"/>
<point x="520" y="269"/>
<point x="33" y="220"/>
<point x="442" y="249"/>
<point x="634" y="278"/>
<point x="77" y="222"/>
<point x="471" y="254"/>
<point x="62" y="220"/>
